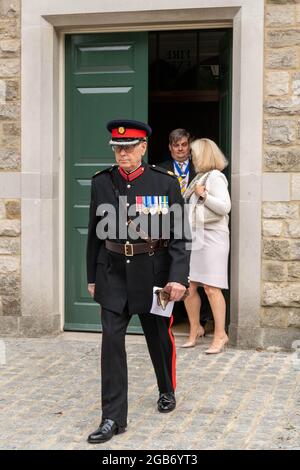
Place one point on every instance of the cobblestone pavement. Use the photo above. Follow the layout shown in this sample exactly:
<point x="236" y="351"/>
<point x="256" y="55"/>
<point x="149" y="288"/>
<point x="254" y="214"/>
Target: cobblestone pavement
<point x="50" y="397"/>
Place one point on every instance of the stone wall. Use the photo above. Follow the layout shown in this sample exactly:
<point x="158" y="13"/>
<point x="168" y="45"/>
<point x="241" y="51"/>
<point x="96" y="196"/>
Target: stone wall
<point x="281" y="220"/>
<point x="10" y="308"/>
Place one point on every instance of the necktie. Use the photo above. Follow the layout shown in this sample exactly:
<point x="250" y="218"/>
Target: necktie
<point x="181" y="179"/>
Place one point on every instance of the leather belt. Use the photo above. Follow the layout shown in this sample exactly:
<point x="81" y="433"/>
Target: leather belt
<point x="131" y="249"/>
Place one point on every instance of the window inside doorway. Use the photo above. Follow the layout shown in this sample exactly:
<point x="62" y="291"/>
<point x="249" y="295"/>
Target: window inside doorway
<point x="184" y="85"/>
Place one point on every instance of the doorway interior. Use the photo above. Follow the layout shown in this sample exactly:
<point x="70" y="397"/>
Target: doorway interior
<point x="190" y="88"/>
<point x="184" y="85"/>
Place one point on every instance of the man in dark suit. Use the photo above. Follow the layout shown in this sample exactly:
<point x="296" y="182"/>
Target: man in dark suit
<point x="125" y="262"/>
<point x="180" y="162"/>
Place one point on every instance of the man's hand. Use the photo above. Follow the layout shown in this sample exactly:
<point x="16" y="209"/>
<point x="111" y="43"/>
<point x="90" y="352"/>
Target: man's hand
<point x="175" y="290"/>
<point x="91" y="289"/>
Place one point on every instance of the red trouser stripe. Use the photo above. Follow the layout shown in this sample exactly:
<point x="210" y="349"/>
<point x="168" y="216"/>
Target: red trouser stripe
<point x="173" y="354"/>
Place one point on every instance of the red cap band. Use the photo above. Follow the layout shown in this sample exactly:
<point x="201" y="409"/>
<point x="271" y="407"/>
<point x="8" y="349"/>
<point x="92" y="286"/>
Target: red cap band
<point x="120" y="132"/>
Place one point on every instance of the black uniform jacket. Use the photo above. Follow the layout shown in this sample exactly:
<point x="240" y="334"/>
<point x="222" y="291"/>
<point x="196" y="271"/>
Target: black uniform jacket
<point x="169" y="165"/>
<point x="120" y="279"/>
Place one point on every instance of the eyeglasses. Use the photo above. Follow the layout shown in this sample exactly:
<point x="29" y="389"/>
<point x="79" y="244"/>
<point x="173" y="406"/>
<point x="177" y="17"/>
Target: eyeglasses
<point x="128" y="148"/>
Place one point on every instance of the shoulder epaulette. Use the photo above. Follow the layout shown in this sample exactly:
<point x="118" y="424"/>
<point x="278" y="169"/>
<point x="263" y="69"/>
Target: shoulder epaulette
<point x="162" y="170"/>
<point x="106" y="170"/>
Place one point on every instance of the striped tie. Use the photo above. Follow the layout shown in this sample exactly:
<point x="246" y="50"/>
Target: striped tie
<point x="182" y="180"/>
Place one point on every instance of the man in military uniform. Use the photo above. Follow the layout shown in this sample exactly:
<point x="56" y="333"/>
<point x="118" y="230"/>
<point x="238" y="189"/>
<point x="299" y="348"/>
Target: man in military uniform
<point x="123" y="268"/>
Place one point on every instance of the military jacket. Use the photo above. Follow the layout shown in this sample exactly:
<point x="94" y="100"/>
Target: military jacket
<point x="121" y="280"/>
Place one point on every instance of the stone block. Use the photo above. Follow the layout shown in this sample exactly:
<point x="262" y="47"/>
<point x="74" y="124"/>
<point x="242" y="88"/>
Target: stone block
<point x="9" y="326"/>
<point x="294" y="317"/>
<point x="282" y="160"/>
<point x="13" y="208"/>
<point x="9" y="28"/>
<point x="10" y="8"/>
<point x="280" y="132"/>
<point x="279" y="15"/>
<point x="9" y="47"/>
<point x="9" y="111"/>
<point x="294" y="271"/>
<point x="296" y="84"/>
<point x="9" y="246"/>
<point x="283" y="38"/>
<point x="11" y="134"/>
<point x="272" y="228"/>
<point x="281" y="295"/>
<point x="273" y="271"/>
<point x="277" y="83"/>
<point x="281" y="58"/>
<point x="276" y="249"/>
<point x="12" y="90"/>
<point x="294" y="250"/>
<point x="275" y="317"/>
<point x="9" y="159"/>
<point x="275" y="337"/>
<point x="9" y="264"/>
<point x="39" y="326"/>
<point x="10" y="228"/>
<point x="290" y="106"/>
<point x="2" y="91"/>
<point x="280" y="210"/>
<point x="292" y="229"/>
<point x="11" y="304"/>
<point x="10" y="284"/>
<point x="295" y="187"/>
<point x="9" y="67"/>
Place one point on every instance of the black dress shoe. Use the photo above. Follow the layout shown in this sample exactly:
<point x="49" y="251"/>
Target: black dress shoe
<point x="166" y="402"/>
<point x="107" y="429"/>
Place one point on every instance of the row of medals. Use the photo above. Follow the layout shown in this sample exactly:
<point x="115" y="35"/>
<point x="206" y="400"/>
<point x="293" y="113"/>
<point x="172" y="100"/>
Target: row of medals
<point x="160" y="207"/>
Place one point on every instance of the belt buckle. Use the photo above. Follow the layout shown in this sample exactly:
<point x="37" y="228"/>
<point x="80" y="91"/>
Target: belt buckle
<point x="128" y="247"/>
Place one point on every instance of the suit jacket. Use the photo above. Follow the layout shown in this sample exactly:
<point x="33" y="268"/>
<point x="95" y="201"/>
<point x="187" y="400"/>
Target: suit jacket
<point x="169" y="165"/>
<point x="119" y="279"/>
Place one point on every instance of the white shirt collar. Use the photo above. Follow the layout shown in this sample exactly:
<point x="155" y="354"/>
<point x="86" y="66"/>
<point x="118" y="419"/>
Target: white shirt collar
<point x="185" y="163"/>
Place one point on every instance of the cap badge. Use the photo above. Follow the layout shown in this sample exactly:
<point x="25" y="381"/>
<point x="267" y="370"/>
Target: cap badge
<point x="121" y="130"/>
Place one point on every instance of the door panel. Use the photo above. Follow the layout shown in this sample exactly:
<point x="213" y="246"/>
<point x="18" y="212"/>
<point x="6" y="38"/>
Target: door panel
<point x="106" y="78"/>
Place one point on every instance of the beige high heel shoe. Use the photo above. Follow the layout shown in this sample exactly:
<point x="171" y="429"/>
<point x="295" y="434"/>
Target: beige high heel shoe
<point x="218" y="349"/>
<point x="191" y="344"/>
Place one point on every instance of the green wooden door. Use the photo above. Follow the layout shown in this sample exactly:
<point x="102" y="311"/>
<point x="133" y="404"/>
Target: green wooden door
<point x="106" y="78"/>
<point x="225" y="122"/>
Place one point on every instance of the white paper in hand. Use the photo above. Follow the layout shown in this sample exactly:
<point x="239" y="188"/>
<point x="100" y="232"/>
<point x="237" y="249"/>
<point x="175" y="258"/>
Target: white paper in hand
<point x="157" y="310"/>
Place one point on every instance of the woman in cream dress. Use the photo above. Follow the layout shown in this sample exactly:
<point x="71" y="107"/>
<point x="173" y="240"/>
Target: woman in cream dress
<point x="209" y="262"/>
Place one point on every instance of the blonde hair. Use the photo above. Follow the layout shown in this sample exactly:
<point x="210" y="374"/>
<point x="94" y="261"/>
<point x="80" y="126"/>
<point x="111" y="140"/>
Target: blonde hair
<point x="207" y="156"/>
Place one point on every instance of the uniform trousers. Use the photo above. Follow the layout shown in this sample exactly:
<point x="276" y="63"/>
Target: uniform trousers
<point x="114" y="377"/>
